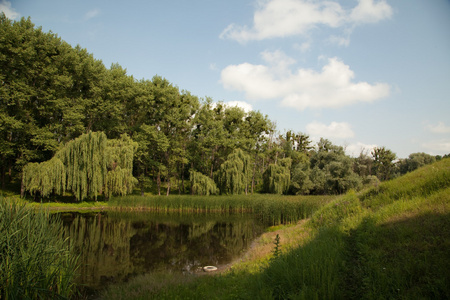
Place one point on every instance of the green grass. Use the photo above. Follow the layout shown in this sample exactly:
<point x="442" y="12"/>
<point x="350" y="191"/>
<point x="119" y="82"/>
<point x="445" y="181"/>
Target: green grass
<point x="389" y="242"/>
<point x="36" y="262"/>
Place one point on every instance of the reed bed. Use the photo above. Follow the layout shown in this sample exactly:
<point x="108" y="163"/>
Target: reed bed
<point x="271" y="209"/>
<point x="36" y="261"/>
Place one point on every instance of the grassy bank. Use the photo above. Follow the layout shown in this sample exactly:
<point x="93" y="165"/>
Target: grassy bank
<point x="389" y="242"/>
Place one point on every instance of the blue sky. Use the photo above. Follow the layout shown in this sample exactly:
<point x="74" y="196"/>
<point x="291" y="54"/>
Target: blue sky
<point x="361" y="73"/>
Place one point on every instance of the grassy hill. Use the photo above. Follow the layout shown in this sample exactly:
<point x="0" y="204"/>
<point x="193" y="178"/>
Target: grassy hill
<point x="387" y="242"/>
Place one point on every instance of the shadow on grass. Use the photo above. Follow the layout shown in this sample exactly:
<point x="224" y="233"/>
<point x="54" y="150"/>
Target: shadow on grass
<point x="402" y="258"/>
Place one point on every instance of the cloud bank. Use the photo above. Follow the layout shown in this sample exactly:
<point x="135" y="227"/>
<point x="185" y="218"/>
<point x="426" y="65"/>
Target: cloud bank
<point x="438" y="128"/>
<point x="282" y="18"/>
<point x="336" y="130"/>
<point x="10" y="13"/>
<point x="332" y="87"/>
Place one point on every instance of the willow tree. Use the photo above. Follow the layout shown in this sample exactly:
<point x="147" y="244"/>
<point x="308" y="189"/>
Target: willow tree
<point x="202" y="184"/>
<point x="234" y="174"/>
<point x="89" y="166"/>
<point x="119" y="157"/>
<point x="45" y="178"/>
<point x="277" y="177"/>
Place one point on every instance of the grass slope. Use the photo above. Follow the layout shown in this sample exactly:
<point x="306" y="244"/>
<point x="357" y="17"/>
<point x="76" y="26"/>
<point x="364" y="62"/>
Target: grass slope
<point x="388" y="242"/>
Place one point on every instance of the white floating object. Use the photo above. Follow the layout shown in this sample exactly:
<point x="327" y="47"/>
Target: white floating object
<point x="209" y="268"/>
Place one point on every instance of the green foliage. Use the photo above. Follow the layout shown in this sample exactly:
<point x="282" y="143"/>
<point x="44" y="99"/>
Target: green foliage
<point x="119" y="156"/>
<point x="277" y="249"/>
<point x="202" y="184"/>
<point x="277" y="177"/>
<point x="415" y="161"/>
<point x="36" y="261"/>
<point x="88" y="166"/>
<point x="45" y="178"/>
<point x="301" y="183"/>
<point x="234" y="174"/>
<point x="332" y="170"/>
<point x="383" y="162"/>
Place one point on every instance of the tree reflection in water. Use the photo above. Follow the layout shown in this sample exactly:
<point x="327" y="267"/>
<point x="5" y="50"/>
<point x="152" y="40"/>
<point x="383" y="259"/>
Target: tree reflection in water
<point x="115" y="246"/>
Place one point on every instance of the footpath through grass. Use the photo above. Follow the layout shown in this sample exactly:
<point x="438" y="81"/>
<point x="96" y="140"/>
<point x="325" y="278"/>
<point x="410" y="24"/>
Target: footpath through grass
<point x="388" y="242"/>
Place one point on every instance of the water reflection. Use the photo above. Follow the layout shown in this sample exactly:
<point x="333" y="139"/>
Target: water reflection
<point x="114" y="246"/>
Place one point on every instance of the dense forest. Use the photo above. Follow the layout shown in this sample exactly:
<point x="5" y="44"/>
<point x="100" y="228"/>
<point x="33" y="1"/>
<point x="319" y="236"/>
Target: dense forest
<point x="70" y="125"/>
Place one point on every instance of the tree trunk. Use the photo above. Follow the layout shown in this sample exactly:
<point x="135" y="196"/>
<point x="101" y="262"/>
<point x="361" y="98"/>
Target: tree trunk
<point x="254" y="172"/>
<point x="3" y="177"/>
<point x="182" y="178"/>
<point x="22" y="189"/>
<point x="158" y="182"/>
<point x="168" y="185"/>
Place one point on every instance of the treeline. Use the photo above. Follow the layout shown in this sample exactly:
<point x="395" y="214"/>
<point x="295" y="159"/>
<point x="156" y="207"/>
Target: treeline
<point x="53" y="94"/>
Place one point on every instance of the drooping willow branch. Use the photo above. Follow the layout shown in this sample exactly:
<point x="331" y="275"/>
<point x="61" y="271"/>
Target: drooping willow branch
<point x="88" y="166"/>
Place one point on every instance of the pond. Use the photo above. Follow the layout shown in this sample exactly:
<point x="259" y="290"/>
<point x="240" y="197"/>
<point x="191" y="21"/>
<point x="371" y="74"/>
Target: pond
<point x="115" y="246"/>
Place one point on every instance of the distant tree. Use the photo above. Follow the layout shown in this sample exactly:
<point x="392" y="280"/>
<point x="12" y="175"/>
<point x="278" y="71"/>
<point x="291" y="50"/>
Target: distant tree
<point x="300" y="179"/>
<point x="415" y="161"/>
<point x="332" y="170"/>
<point x="233" y="176"/>
<point x="277" y="177"/>
<point x="201" y="184"/>
<point x="383" y="163"/>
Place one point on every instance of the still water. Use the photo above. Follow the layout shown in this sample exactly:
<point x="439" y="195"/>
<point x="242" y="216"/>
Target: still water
<point x="115" y="246"/>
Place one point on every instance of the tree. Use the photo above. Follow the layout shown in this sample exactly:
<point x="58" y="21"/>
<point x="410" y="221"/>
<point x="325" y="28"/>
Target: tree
<point x="207" y="138"/>
<point x="172" y="116"/>
<point x="332" y="170"/>
<point x="415" y="161"/>
<point x="88" y="166"/>
<point x="233" y="176"/>
<point x="300" y="179"/>
<point x="383" y="162"/>
<point x="201" y="184"/>
<point x="277" y="176"/>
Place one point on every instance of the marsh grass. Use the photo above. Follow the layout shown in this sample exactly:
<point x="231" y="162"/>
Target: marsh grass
<point x="271" y="209"/>
<point x="36" y="261"/>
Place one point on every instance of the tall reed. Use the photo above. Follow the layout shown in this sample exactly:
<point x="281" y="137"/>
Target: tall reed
<point x="36" y="261"/>
<point x="272" y="209"/>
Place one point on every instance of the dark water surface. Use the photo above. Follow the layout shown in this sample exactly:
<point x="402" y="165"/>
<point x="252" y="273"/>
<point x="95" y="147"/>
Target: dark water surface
<point x="115" y="246"/>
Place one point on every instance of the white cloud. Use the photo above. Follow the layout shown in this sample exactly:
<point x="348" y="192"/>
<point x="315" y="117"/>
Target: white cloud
<point x="440" y="146"/>
<point x="336" y="130"/>
<point x="439" y="128"/>
<point x="281" y="18"/>
<point x="369" y="12"/>
<point x="303" y="47"/>
<point x="244" y="105"/>
<point x="91" y="14"/>
<point x="340" y="40"/>
<point x="357" y="148"/>
<point x="332" y="87"/>
<point x="10" y="13"/>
